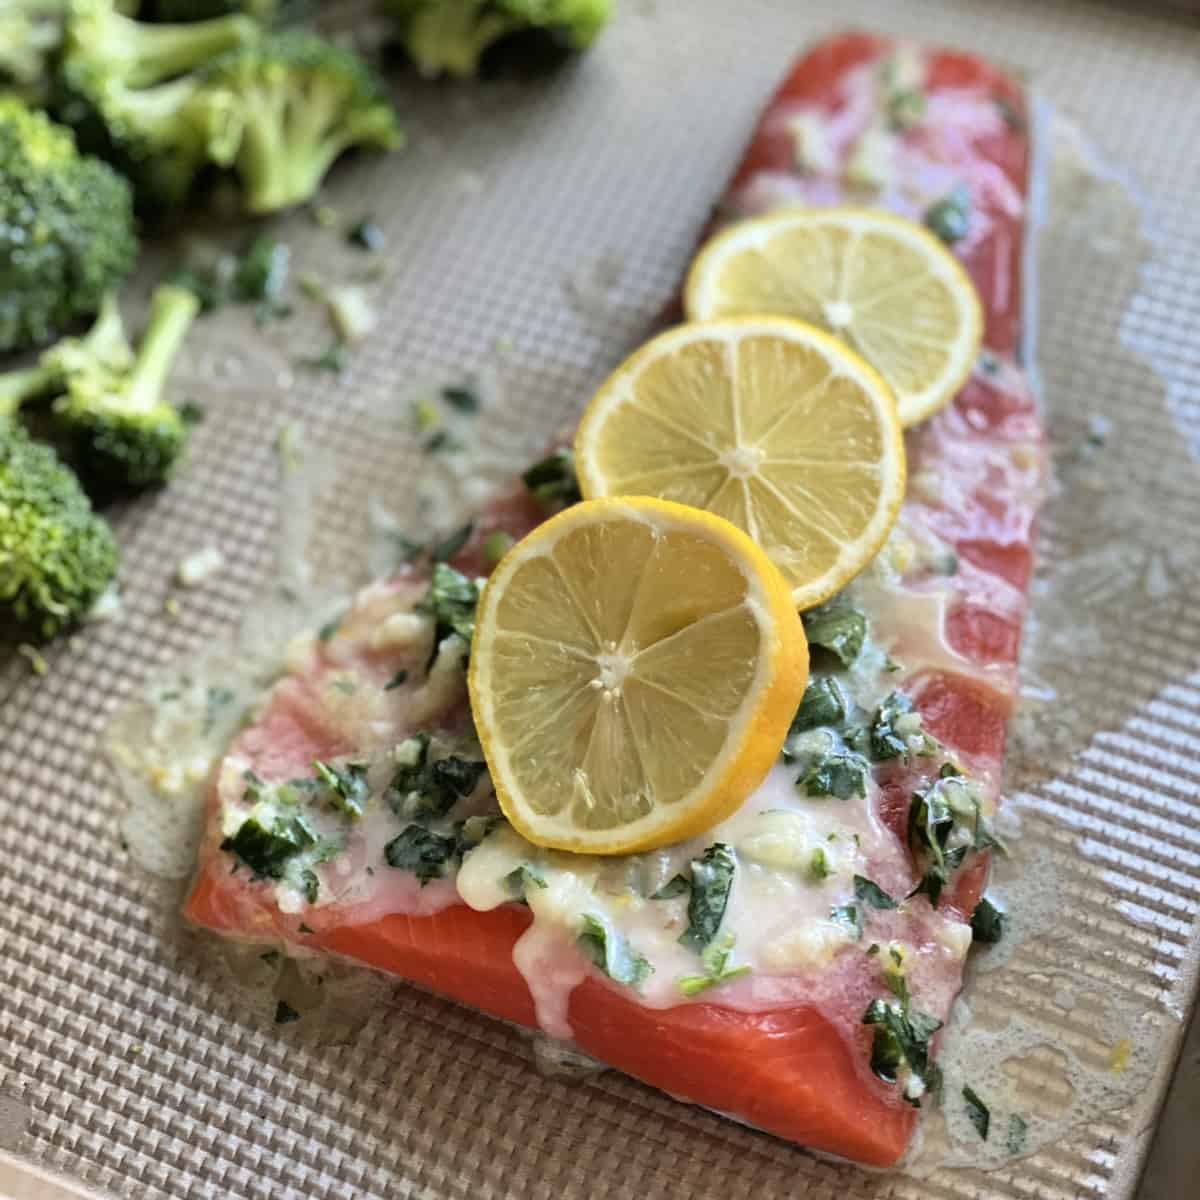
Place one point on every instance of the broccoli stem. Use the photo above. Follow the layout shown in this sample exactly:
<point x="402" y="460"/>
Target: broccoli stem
<point x="172" y="311"/>
<point x="452" y="36"/>
<point x="18" y="386"/>
<point x="159" y="52"/>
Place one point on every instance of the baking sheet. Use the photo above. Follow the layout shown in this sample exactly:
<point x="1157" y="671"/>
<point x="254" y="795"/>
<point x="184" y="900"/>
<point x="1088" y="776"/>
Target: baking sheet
<point x="538" y="229"/>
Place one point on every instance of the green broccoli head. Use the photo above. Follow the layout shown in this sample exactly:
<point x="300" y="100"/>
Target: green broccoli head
<point x="30" y="33"/>
<point x="127" y="89"/>
<point x="66" y="228"/>
<point x="56" y="555"/>
<point x="450" y="36"/>
<point x="301" y="101"/>
<point x="112" y="406"/>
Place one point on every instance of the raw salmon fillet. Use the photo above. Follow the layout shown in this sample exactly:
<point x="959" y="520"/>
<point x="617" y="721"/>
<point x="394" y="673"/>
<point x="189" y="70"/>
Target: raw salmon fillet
<point x="859" y="119"/>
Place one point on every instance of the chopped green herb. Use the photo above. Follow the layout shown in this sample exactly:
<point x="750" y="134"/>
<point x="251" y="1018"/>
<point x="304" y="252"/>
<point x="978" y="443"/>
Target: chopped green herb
<point x="850" y="918"/>
<point x="215" y="699"/>
<point x="452" y="543"/>
<point x="987" y="922"/>
<point x="328" y="629"/>
<point x="838" y="775"/>
<point x="553" y="479"/>
<point x="347" y="786"/>
<point x="471" y="832"/>
<point x="823" y="704"/>
<point x="677" y="885"/>
<point x="285" y="1014"/>
<point x="884" y="740"/>
<point x="192" y="412"/>
<point x="438" y="441"/>
<point x="398" y="680"/>
<point x="366" y="235"/>
<point x="332" y="358"/>
<point x="950" y="218"/>
<point x="818" y="866"/>
<point x="463" y="397"/>
<point x="310" y="885"/>
<point x="1017" y="1129"/>
<point x="871" y="893"/>
<point x="946" y="564"/>
<point x="496" y="545"/>
<point x="716" y="968"/>
<point x="988" y="363"/>
<point x="902" y="1036"/>
<point x="872" y="949"/>
<point x="452" y="599"/>
<point x="270" y="957"/>
<point x="930" y="822"/>
<point x="406" y="549"/>
<point x="519" y="880"/>
<point x="419" y="850"/>
<point x="421" y="789"/>
<point x="612" y="953"/>
<point x="838" y="628"/>
<point x="977" y="1112"/>
<point x="265" y="842"/>
<point x="712" y="881"/>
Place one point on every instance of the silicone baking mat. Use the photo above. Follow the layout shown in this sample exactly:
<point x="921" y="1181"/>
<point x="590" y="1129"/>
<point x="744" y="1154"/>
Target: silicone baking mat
<point x="538" y="228"/>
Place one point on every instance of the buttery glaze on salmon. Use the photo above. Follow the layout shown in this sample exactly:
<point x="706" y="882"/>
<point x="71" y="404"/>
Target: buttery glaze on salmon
<point x="775" y="1035"/>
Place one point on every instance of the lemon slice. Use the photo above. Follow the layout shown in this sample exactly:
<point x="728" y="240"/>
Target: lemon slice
<point x="767" y="422"/>
<point x="884" y="285"/>
<point x="634" y="669"/>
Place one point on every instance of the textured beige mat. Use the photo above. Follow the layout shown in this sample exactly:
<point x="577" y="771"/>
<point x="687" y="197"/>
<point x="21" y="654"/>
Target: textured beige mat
<point x="555" y="218"/>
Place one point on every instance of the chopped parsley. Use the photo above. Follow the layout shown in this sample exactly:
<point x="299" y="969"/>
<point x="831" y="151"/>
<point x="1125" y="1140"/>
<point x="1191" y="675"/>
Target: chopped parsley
<point x="419" y="850"/>
<point x="421" y="789"/>
<point x="463" y="397"/>
<point x="869" y="892"/>
<point x="471" y="832"/>
<point x="346" y="786"/>
<point x="452" y="543"/>
<point x="945" y="824"/>
<point x="612" y="953"/>
<point x="677" y="885"/>
<point x="905" y="108"/>
<point x="901" y="1045"/>
<point x="837" y="628"/>
<point x="266" y="840"/>
<point x="329" y="629"/>
<point x="886" y="738"/>
<point x="1017" y="1129"/>
<point x="978" y="1113"/>
<point x="850" y="918"/>
<point x="553" y="480"/>
<point x="285" y="1014"/>
<point x="398" y="680"/>
<point x="950" y="218"/>
<point x="818" y="866"/>
<point x="310" y="885"/>
<point x="823" y="704"/>
<point x="451" y="600"/>
<point x="838" y="775"/>
<point x="716" y="968"/>
<point x="712" y="881"/>
<point x="987" y="923"/>
<point x="519" y="880"/>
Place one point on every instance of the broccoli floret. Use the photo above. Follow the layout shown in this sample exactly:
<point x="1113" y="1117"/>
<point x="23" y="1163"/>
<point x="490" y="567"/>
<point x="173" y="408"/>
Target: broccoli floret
<point x="112" y="407"/>
<point x="66" y="228"/>
<point x="56" y="555"/>
<point x="126" y="88"/>
<point x="450" y="36"/>
<point x="301" y="101"/>
<point x="30" y="33"/>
